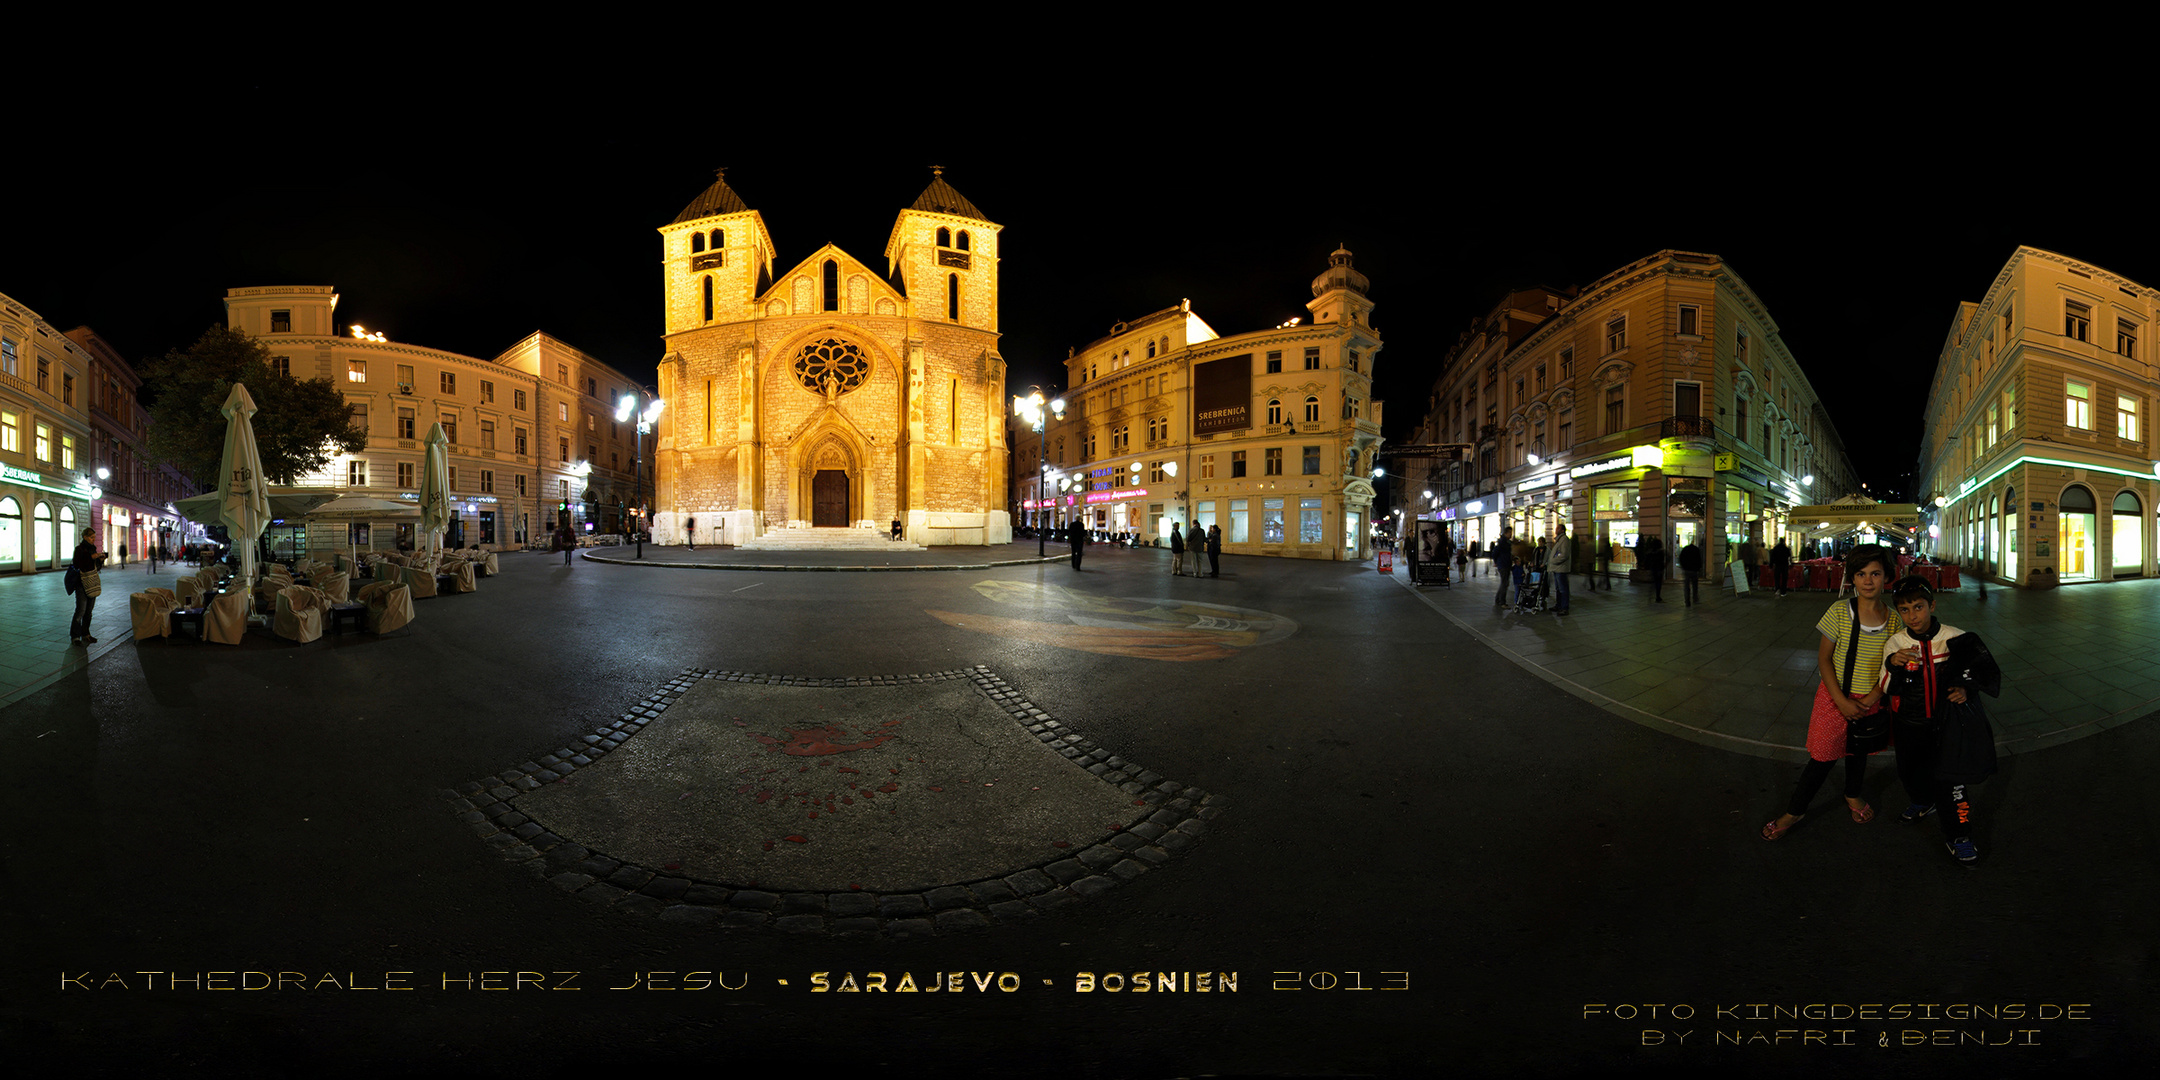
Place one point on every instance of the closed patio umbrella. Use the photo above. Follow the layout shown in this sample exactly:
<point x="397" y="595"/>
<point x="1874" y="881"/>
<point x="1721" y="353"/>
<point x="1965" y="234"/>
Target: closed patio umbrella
<point x="435" y="489"/>
<point x="245" y="504"/>
<point x="356" y="508"/>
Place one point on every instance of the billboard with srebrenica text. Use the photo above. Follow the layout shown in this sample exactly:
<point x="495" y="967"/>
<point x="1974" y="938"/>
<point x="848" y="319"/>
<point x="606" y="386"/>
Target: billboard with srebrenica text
<point x="1222" y="395"/>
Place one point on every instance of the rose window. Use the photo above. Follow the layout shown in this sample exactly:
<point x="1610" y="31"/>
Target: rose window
<point x="831" y="366"/>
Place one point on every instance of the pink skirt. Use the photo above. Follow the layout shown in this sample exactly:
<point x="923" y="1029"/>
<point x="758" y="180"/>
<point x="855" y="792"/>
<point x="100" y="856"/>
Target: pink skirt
<point x="1826" y="728"/>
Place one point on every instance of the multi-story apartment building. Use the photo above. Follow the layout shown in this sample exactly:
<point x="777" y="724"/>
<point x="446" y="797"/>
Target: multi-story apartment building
<point x="532" y="432"/>
<point x="1660" y="401"/>
<point x="45" y="433"/>
<point x="1267" y="434"/>
<point x="2038" y="463"/>
<point x="136" y="493"/>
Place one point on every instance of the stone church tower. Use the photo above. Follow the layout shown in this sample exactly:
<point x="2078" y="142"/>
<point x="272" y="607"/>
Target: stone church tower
<point x="830" y="393"/>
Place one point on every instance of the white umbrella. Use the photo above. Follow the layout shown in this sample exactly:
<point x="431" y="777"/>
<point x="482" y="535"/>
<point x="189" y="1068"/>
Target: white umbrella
<point x="352" y="508"/>
<point x="245" y="507"/>
<point x="435" y="489"/>
<point x="209" y="508"/>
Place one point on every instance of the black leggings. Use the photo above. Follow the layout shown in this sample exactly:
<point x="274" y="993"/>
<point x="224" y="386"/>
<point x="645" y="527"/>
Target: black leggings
<point x="1812" y="777"/>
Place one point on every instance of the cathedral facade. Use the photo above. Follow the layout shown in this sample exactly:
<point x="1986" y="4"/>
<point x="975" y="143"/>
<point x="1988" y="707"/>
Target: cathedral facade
<point x="832" y="393"/>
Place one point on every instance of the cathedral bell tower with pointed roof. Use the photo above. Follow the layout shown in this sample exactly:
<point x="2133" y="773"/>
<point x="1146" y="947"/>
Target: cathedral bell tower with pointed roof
<point x="829" y="394"/>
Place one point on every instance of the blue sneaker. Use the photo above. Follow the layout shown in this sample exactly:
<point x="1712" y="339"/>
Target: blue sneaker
<point x="1917" y="811"/>
<point x="1963" y="851"/>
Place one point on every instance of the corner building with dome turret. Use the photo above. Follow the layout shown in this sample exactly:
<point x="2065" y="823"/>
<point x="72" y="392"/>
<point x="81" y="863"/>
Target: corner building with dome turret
<point x="831" y="392"/>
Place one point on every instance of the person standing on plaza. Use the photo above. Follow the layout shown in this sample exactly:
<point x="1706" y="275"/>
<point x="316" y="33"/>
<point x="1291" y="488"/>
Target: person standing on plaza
<point x="1604" y="564"/>
<point x="1177" y="551"/>
<point x="1650" y="552"/>
<point x="1690" y="573"/>
<point x="1943" y="740"/>
<point x="1214" y="551"/>
<point x="690" y="530"/>
<point x="1558" y="560"/>
<point x="1077" y="536"/>
<point x="1849" y="658"/>
<point x="123" y="556"/>
<point x="565" y="542"/>
<point x="1523" y="555"/>
<point x="82" y="580"/>
<point x="1780" y="565"/>
<point x="1500" y="563"/>
<point x="1748" y="558"/>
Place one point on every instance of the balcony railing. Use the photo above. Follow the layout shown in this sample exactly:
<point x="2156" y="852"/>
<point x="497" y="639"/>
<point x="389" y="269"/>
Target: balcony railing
<point x="1691" y="428"/>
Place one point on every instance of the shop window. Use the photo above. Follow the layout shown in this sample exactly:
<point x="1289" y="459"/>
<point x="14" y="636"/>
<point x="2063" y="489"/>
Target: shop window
<point x="1309" y="520"/>
<point x="1271" y="521"/>
<point x="2074" y="557"/>
<point x="2129" y="535"/>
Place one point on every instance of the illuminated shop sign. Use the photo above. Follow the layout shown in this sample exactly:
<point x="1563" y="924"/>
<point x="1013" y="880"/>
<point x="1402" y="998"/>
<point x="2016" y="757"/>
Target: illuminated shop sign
<point x="10" y="472"/>
<point x="1113" y="496"/>
<point x="1544" y="481"/>
<point x="1611" y="464"/>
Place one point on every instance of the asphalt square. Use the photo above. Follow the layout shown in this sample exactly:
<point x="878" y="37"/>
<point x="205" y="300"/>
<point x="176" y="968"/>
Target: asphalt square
<point x="827" y="789"/>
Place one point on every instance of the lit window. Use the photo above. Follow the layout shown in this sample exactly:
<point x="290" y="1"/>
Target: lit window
<point x="2077" y="405"/>
<point x="2126" y="418"/>
<point x="10" y="435"/>
<point x="356" y="371"/>
<point x="356" y="473"/>
<point x="67" y="451"/>
<point x="44" y="442"/>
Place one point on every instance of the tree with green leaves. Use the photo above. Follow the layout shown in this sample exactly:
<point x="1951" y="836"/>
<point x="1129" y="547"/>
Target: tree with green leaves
<point x="300" y="424"/>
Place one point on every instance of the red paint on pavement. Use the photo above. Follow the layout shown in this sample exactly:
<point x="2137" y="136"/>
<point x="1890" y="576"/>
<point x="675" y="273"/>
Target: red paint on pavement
<point x="818" y="741"/>
<point x="797" y="838"/>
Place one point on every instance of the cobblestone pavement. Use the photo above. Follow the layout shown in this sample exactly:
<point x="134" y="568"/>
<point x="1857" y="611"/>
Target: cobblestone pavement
<point x="1739" y="672"/>
<point x="1179" y="818"/>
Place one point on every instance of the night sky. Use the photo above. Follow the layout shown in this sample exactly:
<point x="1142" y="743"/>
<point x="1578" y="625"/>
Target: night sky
<point x="465" y="220"/>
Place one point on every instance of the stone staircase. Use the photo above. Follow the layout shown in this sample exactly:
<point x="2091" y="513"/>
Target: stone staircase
<point x="826" y="539"/>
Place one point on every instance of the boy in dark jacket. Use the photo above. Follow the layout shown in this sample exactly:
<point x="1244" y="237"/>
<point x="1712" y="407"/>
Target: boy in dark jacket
<point x="1942" y="737"/>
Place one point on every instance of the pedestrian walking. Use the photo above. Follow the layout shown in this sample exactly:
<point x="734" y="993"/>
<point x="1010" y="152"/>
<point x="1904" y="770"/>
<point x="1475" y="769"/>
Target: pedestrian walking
<point x="1846" y="722"/>
<point x="690" y="530"/>
<point x="1748" y="558"/>
<point x="1462" y="564"/>
<point x="1690" y="573"/>
<point x="1500" y="564"/>
<point x="1557" y="563"/>
<point x="1650" y="551"/>
<point x="1177" y="551"/>
<point x="1780" y="565"/>
<point x="565" y="542"/>
<point x="81" y="580"/>
<point x="1604" y="561"/>
<point x="1943" y="743"/>
<point x="123" y="556"/>
<point x="1214" y="551"/>
<point x="1077" y="537"/>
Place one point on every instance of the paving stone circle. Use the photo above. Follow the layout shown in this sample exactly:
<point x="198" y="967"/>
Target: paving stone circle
<point x="1181" y="818"/>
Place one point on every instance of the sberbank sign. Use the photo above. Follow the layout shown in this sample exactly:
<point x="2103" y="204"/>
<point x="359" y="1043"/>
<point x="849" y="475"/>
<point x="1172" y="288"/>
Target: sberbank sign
<point x="10" y="472"/>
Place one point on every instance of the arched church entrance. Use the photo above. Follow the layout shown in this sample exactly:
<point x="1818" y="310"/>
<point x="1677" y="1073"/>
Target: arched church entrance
<point x="829" y="498"/>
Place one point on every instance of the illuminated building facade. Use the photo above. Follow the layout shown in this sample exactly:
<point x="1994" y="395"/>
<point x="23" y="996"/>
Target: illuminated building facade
<point x="1658" y="401"/>
<point x="830" y="393"/>
<point x="45" y="464"/>
<point x="1268" y="434"/>
<point x="532" y="432"/>
<point x="135" y="491"/>
<point x="2038" y="462"/>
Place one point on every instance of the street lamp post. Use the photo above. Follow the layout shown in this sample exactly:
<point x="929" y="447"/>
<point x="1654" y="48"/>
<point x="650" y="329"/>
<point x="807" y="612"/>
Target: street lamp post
<point x="1030" y="408"/>
<point x="645" y="422"/>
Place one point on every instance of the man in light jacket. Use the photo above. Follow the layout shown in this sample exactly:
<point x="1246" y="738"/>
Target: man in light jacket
<point x="1559" y="558"/>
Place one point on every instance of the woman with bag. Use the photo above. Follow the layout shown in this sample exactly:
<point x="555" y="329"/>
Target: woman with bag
<point x="1848" y="721"/>
<point x="1944" y="742"/>
<point x="82" y="580"/>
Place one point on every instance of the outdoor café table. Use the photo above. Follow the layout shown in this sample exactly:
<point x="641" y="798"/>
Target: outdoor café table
<point x="189" y="620"/>
<point x="356" y="613"/>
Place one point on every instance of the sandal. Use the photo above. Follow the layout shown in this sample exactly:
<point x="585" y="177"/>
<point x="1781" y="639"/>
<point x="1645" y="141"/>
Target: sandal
<point x="1773" y="830"/>
<point x="1862" y="814"/>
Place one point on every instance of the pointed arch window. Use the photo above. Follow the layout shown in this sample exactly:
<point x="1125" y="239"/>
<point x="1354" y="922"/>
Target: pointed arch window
<point x="719" y="239"/>
<point x="944" y="236"/>
<point x="832" y="285"/>
<point x="706" y="284"/>
<point x="961" y="241"/>
<point x="1151" y="350"/>
<point x="952" y="297"/>
<point x="697" y="242"/>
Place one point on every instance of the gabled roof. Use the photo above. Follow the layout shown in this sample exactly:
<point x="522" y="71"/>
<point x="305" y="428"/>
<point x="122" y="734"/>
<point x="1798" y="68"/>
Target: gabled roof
<point x="717" y="199"/>
<point x="813" y="264"/>
<point x="940" y="198"/>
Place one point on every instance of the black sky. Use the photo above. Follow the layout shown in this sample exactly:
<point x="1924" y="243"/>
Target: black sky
<point x="464" y="219"/>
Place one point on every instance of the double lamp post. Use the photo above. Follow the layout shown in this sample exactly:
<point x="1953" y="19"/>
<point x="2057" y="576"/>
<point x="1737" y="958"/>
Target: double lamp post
<point x="645" y="422"/>
<point x="1031" y="409"/>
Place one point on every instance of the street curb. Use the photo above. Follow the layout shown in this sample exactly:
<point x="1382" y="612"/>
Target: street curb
<point x="1173" y="818"/>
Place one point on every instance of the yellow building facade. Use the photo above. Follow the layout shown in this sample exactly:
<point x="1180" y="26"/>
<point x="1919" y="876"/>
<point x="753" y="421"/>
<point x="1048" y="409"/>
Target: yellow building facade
<point x="2039" y="461"/>
<point x="45" y="452"/>
<point x="832" y="392"/>
<point x="1267" y="434"/>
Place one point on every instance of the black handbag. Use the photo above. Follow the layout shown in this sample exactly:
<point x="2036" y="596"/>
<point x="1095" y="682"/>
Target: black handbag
<point x="1870" y="732"/>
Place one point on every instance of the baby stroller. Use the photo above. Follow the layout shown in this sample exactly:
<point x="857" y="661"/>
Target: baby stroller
<point x="1535" y="592"/>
